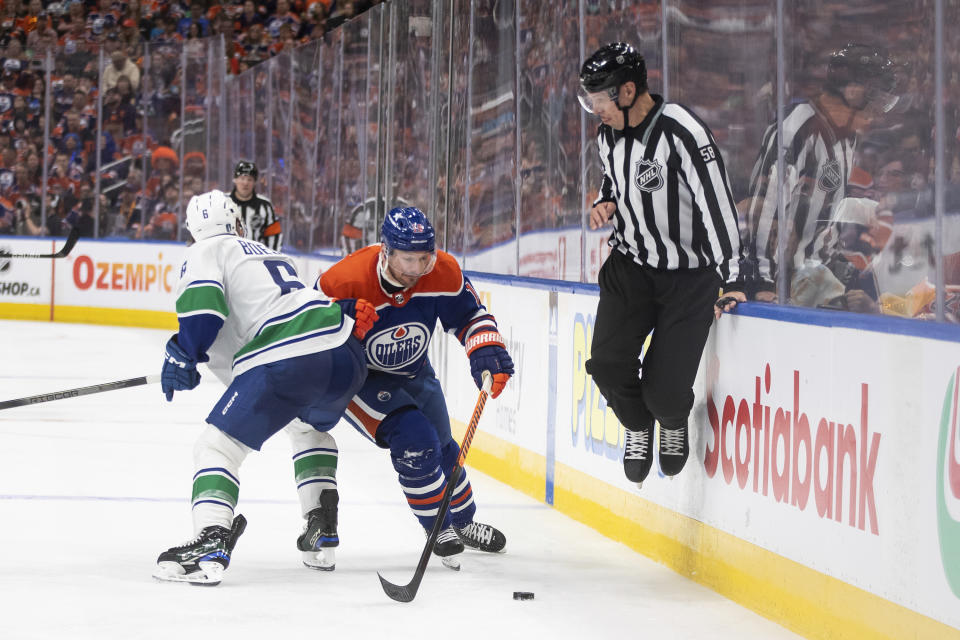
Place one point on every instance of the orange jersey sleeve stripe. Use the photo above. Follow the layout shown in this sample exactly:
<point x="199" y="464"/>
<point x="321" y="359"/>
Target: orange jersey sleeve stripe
<point x="273" y="229"/>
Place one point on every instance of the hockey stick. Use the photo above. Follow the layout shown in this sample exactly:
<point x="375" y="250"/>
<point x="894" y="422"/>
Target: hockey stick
<point x="82" y="391"/>
<point x="64" y="250"/>
<point x="408" y="592"/>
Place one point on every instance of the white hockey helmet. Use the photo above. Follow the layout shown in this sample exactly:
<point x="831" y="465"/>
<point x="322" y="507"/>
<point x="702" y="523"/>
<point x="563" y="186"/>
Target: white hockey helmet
<point x="212" y="213"/>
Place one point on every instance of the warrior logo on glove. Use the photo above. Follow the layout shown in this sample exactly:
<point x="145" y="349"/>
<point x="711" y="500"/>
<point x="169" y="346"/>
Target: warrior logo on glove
<point x="487" y="353"/>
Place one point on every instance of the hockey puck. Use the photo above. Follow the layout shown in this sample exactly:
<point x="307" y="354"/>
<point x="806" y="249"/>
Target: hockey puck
<point x="523" y="595"/>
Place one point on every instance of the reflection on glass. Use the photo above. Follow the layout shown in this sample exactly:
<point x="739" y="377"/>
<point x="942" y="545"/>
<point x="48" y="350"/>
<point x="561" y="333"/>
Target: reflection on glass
<point x="482" y="128"/>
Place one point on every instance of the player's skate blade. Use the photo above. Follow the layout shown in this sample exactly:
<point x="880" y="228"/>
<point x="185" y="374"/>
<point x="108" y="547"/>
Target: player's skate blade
<point x="449" y="547"/>
<point x="202" y="560"/>
<point x="209" y="574"/>
<point x="325" y="559"/>
<point x="319" y="539"/>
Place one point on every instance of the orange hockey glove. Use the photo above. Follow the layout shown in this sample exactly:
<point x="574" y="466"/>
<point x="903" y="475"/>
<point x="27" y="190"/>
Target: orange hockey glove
<point x="363" y="313"/>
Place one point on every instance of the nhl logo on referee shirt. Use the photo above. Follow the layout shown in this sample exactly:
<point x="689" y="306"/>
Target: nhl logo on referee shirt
<point x="830" y="176"/>
<point x="649" y="175"/>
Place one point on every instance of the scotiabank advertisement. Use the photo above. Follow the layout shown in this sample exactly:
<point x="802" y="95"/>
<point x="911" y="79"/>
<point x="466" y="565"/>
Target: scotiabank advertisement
<point x="831" y="447"/>
<point x="835" y="448"/>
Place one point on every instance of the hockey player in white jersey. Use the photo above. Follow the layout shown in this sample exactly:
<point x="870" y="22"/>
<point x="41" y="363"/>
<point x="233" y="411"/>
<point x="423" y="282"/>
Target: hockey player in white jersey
<point x="301" y="358"/>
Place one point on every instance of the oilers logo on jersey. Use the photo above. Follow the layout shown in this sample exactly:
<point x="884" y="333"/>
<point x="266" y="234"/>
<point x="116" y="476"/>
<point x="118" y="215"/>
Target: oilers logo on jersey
<point x="397" y="346"/>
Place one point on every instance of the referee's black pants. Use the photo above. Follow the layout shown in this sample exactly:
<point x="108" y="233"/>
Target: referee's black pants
<point x="635" y="300"/>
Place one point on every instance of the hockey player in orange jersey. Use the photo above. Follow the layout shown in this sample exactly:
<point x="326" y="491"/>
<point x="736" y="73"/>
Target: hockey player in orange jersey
<point x="401" y="406"/>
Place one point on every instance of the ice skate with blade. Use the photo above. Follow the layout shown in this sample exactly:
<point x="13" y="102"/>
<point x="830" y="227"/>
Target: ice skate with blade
<point x="449" y="547"/>
<point x="482" y="537"/>
<point x="203" y="560"/>
<point x="319" y="540"/>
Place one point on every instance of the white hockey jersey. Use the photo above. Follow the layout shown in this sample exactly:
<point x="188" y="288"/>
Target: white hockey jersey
<point x="247" y="297"/>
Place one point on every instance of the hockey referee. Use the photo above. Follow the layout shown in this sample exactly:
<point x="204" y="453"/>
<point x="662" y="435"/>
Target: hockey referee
<point x="260" y="221"/>
<point x="675" y="244"/>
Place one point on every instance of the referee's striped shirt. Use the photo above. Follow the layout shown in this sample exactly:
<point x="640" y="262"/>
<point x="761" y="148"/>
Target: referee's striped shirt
<point x="674" y="205"/>
<point x="260" y="221"/>
<point x="818" y="162"/>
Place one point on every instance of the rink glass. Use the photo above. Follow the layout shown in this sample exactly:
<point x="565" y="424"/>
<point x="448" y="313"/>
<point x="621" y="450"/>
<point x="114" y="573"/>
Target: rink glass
<point x="469" y="111"/>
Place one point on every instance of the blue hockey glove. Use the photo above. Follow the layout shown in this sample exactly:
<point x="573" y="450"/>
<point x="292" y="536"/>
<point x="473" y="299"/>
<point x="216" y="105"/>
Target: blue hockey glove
<point x="487" y="354"/>
<point x="179" y="370"/>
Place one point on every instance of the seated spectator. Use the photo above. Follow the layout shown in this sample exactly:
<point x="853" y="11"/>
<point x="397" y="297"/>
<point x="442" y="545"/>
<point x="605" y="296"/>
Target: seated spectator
<point x="73" y="16"/>
<point x="14" y="47"/>
<point x="120" y="65"/>
<point x="6" y="97"/>
<point x="250" y="16"/>
<point x="8" y="217"/>
<point x="195" y="164"/>
<point x="8" y="157"/>
<point x="118" y="117"/>
<point x="8" y="89"/>
<point x="34" y="17"/>
<point x="285" y="40"/>
<point x="166" y="32"/>
<point x="256" y="46"/>
<point x="164" y="164"/>
<point x="314" y="22"/>
<point x="282" y="16"/>
<point x="194" y="17"/>
<point x="125" y="89"/>
<point x="163" y="224"/>
<point x="103" y="17"/>
<point x="129" y="35"/>
<point x="63" y="92"/>
<point x="74" y="46"/>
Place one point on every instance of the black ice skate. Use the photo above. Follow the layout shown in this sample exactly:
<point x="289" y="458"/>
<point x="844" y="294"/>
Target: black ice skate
<point x="319" y="539"/>
<point x="674" y="449"/>
<point x="448" y="547"/>
<point x="482" y="537"/>
<point x="637" y="457"/>
<point x="202" y="560"/>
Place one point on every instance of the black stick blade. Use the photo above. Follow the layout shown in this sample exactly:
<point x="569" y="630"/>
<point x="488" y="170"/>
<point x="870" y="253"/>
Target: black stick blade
<point x="68" y="245"/>
<point x="397" y="592"/>
<point x="64" y="250"/>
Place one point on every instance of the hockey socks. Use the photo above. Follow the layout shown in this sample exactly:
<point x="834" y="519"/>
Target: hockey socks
<point x="216" y="484"/>
<point x="315" y="456"/>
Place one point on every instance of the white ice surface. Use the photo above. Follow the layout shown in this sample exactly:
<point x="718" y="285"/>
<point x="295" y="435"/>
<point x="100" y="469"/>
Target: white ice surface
<point x="93" y="488"/>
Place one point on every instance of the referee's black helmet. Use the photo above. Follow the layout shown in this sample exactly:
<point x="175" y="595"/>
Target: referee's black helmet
<point x="612" y="65"/>
<point x="865" y="65"/>
<point x="245" y="168"/>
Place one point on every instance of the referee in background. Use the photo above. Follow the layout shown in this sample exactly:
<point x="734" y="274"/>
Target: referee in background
<point x="675" y="244"/>
<point x="260" y="221"/>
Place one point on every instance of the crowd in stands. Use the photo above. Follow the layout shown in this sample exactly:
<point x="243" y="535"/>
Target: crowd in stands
<point x="139" y="177"/>
<point x="120" y="63"/>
